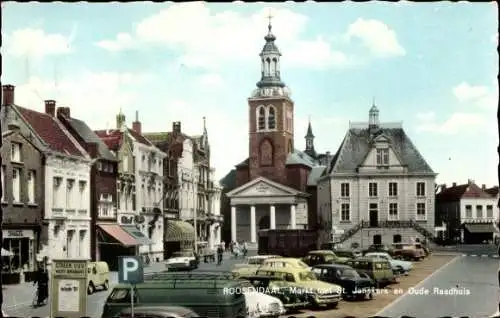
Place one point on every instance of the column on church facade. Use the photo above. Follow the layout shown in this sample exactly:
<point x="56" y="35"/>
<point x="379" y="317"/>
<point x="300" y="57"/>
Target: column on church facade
<point x="233" y="223"/>
<point x="293" y="217"/>
<point x="253" y="228"/>
<point x="272" y="217"/>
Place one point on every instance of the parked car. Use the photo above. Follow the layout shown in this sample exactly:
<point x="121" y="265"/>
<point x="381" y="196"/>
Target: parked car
<point x="318" y="257"/>
<point x="251" y="264"/>
<point x="320" y="293"/>
<point x="347" y="253"/>
<point x="274" y="286"/>
<point x="158" y="312"/>
<point x="182" y="260"/>
<point x="354" y="285"/>
<point x="97" y="276"/>
<point x="409" y="252"/>
<point x="379" y="248"/>
<point x="379" y="270"/>
<point x="398" y="266"/>
<point x="209" y="294"/>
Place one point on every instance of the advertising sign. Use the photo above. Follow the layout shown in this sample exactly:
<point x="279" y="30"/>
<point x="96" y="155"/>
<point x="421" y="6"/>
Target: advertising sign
<point x="69" y="288"/>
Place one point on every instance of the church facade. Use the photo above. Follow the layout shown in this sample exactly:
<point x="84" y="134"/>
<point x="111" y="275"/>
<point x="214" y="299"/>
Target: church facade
<point x="274" y="187"/>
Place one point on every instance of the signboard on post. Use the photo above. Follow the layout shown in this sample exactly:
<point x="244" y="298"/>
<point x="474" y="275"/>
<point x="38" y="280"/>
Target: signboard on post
<point x="69" y="288"/>
<point x="131" y="271"/>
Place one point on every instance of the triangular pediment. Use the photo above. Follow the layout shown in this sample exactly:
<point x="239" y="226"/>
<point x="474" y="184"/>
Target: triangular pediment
<point x="381" y="139"/>
<point x="262" y="187"/>
<point x="371" y="158"/>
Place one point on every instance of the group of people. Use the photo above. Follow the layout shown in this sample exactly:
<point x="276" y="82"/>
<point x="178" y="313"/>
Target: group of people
<point x="238" y="249"/>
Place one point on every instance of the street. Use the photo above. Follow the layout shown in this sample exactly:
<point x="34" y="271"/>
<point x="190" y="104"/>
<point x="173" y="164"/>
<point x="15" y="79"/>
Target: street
<point x="18" y="298"/>
<point x="475" y="277"/>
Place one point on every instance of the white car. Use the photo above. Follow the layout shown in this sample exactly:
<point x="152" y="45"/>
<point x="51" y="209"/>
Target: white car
<point x="262" y="305"/>
<point x="183" y="260"/>
<point x="396" y="264"/>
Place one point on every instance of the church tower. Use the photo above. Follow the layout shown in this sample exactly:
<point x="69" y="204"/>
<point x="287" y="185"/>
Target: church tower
<point x="271" y="117"/>
<point x="310" y="141"/>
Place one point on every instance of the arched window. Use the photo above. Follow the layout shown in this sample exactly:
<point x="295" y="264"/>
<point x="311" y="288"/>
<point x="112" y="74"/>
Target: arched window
<point x="268" y="66"/>
<point x="266" y="153"/>
<point x="290" y="146"/>
<point x="271" y="119"/>
<point x="261" y="118"/>
<point x="275" y="66"/>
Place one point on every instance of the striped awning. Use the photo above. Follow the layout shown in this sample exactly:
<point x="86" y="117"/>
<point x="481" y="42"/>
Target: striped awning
<point x="479" y="227"/>
<point x="119" y="234"/>
<point x="178" y="231"/>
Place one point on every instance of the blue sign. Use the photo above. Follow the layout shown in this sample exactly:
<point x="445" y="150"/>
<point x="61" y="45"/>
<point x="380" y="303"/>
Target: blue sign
<point x="130" y="270"/>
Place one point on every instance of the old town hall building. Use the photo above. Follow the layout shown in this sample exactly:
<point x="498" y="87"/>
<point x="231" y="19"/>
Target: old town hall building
<point x="271" y="189"/>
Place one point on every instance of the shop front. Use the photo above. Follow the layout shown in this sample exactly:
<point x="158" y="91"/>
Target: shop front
<point x="19" y="264"/>
<point x="114" y="241"/>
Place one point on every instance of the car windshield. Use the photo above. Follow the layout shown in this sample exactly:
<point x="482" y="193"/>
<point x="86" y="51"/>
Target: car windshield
<point x="302" y="264"/>
<point x="256" y="261"/>
<point x="304" y="276"/>
<point x="182" y="254"/>
<point x="350" y="273"/>
<point x="343" y="253"/>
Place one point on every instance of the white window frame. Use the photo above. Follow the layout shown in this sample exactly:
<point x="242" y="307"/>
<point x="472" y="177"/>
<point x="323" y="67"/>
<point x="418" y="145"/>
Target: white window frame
<point x="419" y="216"/>
<point x="393" y="189"/>
<point x="345" y="208"/>
<point x="419" y="191"/>
<point x="468" y="211"/>
<point x="257" y="118"/>
<point x="382" y="156"/>
<point x="489" y="211"/>
<point x="56" y="188"/>
<point x="479" y="211"/>
<point x="373" y="189"/>
<point x="31" y="186"/>
<point x="15" y="152"/>
<point x="82" y="187"/>
<point x="16" y="178"/>
<point x="393" y="206"/>
<point x="345" y="190"/>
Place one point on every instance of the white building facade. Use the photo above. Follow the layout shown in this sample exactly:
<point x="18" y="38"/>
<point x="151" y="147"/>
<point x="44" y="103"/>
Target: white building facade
<point x="67" y="207"/>
<point x="188" y="177"/>
<point x="379" y="189"/>
<point x="149" y="195"/>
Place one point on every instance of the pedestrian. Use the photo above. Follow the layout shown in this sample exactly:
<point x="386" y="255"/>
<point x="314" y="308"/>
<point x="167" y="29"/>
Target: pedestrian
<point x="220" y="254"/>
<point x="244" y="249"/>
<point x="42" y="281"/>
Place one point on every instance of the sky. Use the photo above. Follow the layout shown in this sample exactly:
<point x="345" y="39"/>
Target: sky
<point x="432" y="66"/>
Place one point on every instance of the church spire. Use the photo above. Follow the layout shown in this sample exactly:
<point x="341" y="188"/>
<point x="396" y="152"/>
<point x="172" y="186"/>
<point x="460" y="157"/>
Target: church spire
<point x="270" y="61"/>
<point x="310" y="141"/>
<point x="373" y="120"/>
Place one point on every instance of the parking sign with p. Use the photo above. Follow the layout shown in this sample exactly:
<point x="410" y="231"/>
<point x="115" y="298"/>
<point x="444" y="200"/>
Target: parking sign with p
<point x="130" y="270"/>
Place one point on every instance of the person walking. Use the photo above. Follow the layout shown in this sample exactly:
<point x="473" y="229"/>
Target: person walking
<point x="42" y="282"/>
<point x="220" y="254"/>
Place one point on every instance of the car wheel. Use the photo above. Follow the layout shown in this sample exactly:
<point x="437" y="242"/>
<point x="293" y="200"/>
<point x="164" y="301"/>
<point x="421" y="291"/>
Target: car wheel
<point x="90" y="288"/>
<point x="106" y="285"/>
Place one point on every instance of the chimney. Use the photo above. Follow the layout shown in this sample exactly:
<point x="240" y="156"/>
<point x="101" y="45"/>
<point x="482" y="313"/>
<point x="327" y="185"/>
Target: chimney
<point x="64" y="111"/>
<point x="50" y="107"/>
<point x="7" y="95"/>
<point x="136" y="125"/>
<point x="483" y="187"/>
<point x="176" y="127"/>
<point x="92" y="149"/>
<point x="454" y="184"/>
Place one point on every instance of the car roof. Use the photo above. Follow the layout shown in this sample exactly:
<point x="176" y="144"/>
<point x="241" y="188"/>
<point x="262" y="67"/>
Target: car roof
<point x="366" y="259"/>
<point x="332" y="266"/>
<point x="284" y="259"/>
<point x="264" y="256"/>
<point x="321" y="252"/>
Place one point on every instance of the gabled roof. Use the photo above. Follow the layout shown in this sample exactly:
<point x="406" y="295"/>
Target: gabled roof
<point x="314" y="175"/>
<point x="298" y="157"/>
<point x="50" y="131"/>
<point x="139" y="138"/>
<point x="83" y="130"/>
<point x="358" y="142"/>
<point x="8" y="133"/>
<point x="468" y="190"/>
<point x="492" y="191"/>
<point x="112" y="138"/>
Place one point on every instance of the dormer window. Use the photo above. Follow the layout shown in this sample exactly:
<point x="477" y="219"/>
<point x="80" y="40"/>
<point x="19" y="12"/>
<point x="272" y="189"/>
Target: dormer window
<point x="382" y="156"/>
<point x="271" y="120"/>
<point x="261" y="122"/>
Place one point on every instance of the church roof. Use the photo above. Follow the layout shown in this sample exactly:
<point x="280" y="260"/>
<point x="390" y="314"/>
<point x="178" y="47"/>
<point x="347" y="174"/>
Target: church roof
<point x="315" y="174"/>
<point x="298" y="157"/>
<point x="358" y="142"/>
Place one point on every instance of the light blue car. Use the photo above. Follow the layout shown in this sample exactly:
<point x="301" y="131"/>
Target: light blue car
<point x="398" y="266"/>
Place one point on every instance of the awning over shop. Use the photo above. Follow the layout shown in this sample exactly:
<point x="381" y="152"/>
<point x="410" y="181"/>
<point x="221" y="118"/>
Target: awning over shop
<point x="137" y="234"/>
<point x="178" y="231"/>
<point x="479" y="227"/>
<point x="119" y="234"/>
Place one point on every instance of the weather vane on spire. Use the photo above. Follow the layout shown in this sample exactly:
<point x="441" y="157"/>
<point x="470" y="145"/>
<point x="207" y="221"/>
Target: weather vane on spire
<point x="373" y="101"/>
